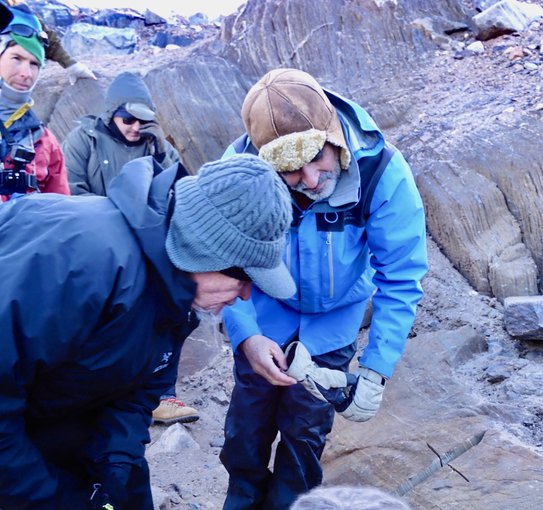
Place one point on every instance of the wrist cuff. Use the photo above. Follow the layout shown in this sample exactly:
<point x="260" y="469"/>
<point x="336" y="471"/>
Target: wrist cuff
<point x="372" y="375"/>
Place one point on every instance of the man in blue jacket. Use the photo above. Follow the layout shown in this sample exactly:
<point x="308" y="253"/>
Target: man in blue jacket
<point x="358" y="233"/>
<point x="98" y="294"/>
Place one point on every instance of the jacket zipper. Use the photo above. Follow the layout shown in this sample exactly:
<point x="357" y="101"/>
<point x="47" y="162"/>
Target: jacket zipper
<point x="330" y="263"/>
<point x="289" y="252"/>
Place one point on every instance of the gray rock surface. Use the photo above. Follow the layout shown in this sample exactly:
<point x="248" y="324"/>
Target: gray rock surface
<point x="83" y="39"/>
<point x="524" y="317"/>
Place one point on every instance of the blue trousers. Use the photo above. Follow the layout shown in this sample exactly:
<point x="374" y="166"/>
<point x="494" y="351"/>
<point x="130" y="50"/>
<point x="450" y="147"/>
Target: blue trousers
<point x="258" y="410"/>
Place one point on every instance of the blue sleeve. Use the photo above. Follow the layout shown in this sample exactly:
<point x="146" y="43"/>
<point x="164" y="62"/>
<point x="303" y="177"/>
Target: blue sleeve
<point x="240" y="322"/>
<point x="396" y="231"/>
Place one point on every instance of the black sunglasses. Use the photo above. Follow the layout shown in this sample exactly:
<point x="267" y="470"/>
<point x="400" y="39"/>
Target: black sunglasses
<point x="132" y="120"/>
<point x="236" y="272"/>
<point x="27" y="31"/>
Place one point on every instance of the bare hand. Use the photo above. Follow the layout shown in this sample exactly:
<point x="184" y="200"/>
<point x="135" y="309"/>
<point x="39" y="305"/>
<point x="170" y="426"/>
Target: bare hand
<point x="267" y="359"/>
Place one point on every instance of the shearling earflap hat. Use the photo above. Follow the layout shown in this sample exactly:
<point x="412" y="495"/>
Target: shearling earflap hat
<point x="289" y="118"/>
<point x="233" y="214"/>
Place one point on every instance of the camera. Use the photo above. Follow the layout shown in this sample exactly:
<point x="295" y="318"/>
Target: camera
<point x="16" y="179"/>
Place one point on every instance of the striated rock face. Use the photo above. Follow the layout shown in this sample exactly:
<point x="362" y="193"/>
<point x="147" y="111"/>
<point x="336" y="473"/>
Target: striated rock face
<point x="199" y="99"/>
<point x="359" y="49"/>
<point x="483" y="209"/>
<point x="479" y="175"/>
<point x="426" y="403"/>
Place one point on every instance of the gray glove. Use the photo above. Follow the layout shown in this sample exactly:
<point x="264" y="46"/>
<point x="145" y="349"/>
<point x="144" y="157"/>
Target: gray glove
<point x="154" y="133"/>
<point x="367" y="396"/>
<point x="309" y="374"/>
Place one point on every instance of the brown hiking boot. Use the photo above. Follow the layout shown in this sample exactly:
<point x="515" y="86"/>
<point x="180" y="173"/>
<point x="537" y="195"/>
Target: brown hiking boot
<point x="172" y="410"/>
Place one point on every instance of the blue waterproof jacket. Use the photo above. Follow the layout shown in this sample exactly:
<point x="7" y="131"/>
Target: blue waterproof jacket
<point x="339" y="257"/>
<point x="92" y="318"/>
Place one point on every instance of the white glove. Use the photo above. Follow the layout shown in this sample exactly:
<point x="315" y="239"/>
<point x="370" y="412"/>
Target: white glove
<point x="77" y="71"/>
<point x="368" y="394"/>
<point x="309" y="374"/>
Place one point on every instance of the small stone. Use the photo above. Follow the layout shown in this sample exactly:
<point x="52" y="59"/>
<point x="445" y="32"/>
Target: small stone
<point x="497" y="373"/>
<point x="514" y="52"/>
<point x="217" y="442"/>
<point x="476" y="47"/>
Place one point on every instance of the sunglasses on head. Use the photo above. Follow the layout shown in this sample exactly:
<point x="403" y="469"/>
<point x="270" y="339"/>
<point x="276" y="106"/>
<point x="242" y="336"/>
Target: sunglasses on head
<point x="27" y="31"/>
<point x="132" y="120"/>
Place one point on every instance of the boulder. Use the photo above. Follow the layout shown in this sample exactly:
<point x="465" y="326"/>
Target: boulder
<point x="152" y="18"/>
<point x="58" y="16"/>
<point x="115" y="18"/>
<point x="85" y="40"/>
<point x="524" y="317"/>
<point x="513" y="272"/>
<point x="505" y="17"/>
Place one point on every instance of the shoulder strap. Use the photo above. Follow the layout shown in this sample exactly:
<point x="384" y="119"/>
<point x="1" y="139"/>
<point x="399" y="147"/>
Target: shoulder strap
<point x="19" y="113"/>
<point x="5" y="133"/>
<point x="371" y="170"/>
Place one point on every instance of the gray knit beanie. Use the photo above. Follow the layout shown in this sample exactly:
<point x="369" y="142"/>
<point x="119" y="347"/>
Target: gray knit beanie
<point x="234" y="213"/>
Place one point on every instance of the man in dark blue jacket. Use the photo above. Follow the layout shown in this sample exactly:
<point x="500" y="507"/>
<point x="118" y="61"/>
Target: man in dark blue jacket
<point x="97" y="294"/>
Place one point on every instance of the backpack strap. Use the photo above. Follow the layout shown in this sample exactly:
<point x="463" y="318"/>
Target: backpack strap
<point x="371" y="169"/>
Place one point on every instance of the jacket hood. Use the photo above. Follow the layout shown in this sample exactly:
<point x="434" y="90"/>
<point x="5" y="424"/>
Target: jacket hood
<point x="364" y="139"/>
<point x="142" y="192"/>
<point x="126" y="88"/>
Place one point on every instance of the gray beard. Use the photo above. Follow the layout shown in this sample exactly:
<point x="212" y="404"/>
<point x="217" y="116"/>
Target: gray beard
<point x="330" y="178"/>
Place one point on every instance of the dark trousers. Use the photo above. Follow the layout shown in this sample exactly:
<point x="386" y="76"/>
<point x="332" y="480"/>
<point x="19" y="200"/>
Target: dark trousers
<point x="258" y="410"/>
<point x="62" y="443"/>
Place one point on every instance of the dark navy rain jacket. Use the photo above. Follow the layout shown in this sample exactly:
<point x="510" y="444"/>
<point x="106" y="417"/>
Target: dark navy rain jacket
<point x="92" y="318"/>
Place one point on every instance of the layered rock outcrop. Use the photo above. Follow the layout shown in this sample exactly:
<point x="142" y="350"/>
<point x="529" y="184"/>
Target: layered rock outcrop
<point x="479" y="184"/>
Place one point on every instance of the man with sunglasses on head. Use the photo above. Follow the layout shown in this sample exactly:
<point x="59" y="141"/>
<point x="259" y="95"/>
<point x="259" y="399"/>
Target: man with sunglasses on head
<point x="30" y="155"/>
<point x="96" y="151"/>
<point x="55" y="51"/>
<point x="127" y="129"/>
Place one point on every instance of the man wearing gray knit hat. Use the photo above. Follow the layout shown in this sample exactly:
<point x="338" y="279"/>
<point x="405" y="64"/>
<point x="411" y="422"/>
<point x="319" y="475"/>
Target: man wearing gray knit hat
<point x="358" y="234"/>
<point x="235" y="220"/>
<point x="117" y="279"/>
